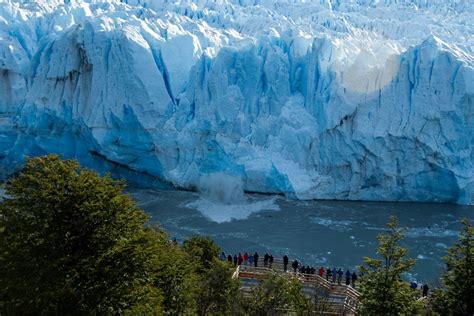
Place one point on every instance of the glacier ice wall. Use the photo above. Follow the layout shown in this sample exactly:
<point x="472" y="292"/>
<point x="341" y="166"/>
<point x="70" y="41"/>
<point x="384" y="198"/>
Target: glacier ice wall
<point x="368" y="100"/>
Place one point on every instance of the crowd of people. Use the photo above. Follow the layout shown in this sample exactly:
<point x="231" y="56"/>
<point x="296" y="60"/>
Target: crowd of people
<point x="248" y="259"/>
<point x="334" y="275"/>
<point x="331" y="274"/>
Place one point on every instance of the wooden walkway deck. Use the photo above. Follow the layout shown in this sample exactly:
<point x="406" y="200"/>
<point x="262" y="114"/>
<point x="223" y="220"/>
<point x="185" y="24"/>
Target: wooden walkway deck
<point x="330" y="298"/>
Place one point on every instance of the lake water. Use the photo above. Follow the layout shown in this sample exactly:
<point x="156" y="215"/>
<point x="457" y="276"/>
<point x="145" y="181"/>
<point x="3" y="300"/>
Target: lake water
<point x="328" y="233"/>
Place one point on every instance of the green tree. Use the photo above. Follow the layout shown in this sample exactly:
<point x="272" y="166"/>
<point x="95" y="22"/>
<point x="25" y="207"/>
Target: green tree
<point x="216" y="291"/>
<point x="175" y="277"/>
<point x="72" y="243"/>
<point x="203" y="251"/>
<point x="277" y="295"/>
<point x="383" y="292"/>
<point x="456" y="296"/>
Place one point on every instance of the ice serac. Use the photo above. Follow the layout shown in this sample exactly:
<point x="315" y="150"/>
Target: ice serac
<point x="369" y="100"/>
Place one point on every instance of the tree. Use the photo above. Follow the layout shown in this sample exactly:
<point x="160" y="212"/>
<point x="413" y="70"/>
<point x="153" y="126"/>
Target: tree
<point x="175" y="277"/>
<point x="203" y="251"/>
<point x="72" y="243"/>
<point x="277" y="295"/>
<point x="383" y="292"/>
<point x="216" y="291"/>
<point x="456" y="297"/>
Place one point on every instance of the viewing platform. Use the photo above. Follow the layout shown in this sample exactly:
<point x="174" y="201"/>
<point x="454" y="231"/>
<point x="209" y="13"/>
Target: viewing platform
<point x="330" y="298"/>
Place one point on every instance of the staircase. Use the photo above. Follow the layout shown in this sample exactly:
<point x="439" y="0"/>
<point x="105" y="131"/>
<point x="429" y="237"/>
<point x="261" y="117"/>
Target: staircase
<point x="330" y="298"/>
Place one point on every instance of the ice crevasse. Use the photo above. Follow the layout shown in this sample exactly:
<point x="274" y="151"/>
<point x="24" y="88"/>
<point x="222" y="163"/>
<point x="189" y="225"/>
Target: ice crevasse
<point x="358" y="100"/>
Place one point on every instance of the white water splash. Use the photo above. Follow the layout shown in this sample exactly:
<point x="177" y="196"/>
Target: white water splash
<point x="221" y="188"/>
<point x="222" y="199"/>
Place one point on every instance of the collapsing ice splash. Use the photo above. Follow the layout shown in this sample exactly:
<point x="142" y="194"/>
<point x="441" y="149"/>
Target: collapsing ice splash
<point x="221" y="188"/>
<point x="222" y="199"/>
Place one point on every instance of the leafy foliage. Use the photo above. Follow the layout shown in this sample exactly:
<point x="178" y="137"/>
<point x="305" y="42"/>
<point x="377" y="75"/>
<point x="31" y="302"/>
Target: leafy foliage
<point x="276" y="295"/>
<point x="383" y="292"/>
<point x="174" y="276"/>
<point x="456" y="297"/>
<point x="72" y="243"/>
<point x="202" y="250"/>
<point x="216" y="291"/>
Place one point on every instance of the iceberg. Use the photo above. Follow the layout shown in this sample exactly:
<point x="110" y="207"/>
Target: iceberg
<point x="353" y="100"/>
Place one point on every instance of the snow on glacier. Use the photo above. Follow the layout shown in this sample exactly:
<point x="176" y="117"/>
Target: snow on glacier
<point x="369" y="100"/>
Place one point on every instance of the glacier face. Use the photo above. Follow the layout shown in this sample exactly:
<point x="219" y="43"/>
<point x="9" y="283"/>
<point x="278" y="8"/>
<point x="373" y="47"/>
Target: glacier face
<point x="326" y="99"/>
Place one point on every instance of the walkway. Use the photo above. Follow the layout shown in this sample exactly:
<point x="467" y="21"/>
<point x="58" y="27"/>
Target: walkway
<point x="330" y="298"/>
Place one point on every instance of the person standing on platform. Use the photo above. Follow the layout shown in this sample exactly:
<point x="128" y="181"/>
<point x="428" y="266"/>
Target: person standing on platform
<point x="334" y="275"/>
<point x="294" y="265"/>
<point x="348" y="277"/>
<point x="426" y="289"/>
<point x="265" y="260"/>
<point x="340" y="273"/>
<point x="235" y="260"/>
<point x="328" y="274"/>
<point x="240" y="259"/>
<point x="251" y="260"/>
<point x="246" y="258"/>
<point x="321" y="271"/>
<point x="354" y="279"/>
<point x="229" y="258"/>
<point x="270" y="261"/>
<point x="255" y="258"/>
<point x="285" y="262"/>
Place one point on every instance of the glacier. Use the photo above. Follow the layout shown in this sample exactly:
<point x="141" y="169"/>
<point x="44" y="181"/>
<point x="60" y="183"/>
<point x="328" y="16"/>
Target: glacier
<point x="323" y="99"/>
